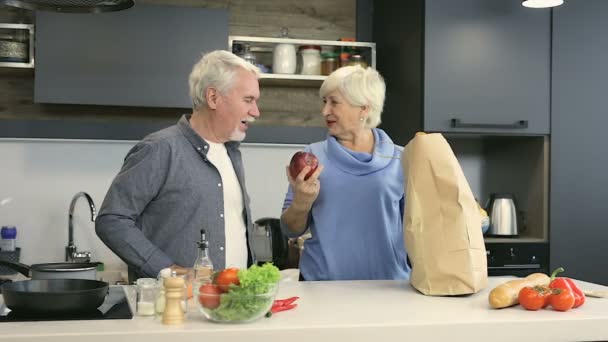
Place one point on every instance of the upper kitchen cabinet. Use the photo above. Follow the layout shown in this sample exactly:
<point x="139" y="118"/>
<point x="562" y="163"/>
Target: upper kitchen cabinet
<point x="463" y="66"/>
<point x="138" y="57"/>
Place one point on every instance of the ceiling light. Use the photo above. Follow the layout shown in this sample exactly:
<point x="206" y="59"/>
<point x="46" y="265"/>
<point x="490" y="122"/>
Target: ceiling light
<point x="541" y="3"/>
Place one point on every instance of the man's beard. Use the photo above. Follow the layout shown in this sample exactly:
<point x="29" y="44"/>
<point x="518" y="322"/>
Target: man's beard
<point x="237" y="135"/>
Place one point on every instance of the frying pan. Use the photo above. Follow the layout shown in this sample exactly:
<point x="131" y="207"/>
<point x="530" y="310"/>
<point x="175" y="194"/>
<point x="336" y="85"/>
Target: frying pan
<point x="55" y="270"/>
<point x="54" y="296"/>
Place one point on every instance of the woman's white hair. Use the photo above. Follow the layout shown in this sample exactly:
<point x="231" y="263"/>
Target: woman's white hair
<point x="215" y="69"/>
<point x="360" y="87"/>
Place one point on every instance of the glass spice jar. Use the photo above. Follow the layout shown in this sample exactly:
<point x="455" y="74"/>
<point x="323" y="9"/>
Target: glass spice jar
<point x="357" y="60"/>
<point x="329" y="62"/>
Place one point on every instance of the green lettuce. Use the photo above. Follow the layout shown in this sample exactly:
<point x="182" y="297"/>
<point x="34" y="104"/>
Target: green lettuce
<point x="252" y="298"/>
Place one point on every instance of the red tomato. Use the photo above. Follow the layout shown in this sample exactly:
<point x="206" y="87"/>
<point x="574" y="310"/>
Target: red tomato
<point x="209" y="296"/>
<point x="227" y="277"/>
<point x="534" y="298"/>
<point x="562" y="299"/>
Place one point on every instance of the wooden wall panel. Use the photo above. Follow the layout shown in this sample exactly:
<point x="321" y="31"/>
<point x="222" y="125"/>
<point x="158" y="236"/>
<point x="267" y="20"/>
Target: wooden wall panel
<point x="292" y="106"/>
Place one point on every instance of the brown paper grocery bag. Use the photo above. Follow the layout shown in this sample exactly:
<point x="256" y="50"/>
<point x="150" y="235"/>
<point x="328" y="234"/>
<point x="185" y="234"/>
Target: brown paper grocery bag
<point x="442" y="223"/>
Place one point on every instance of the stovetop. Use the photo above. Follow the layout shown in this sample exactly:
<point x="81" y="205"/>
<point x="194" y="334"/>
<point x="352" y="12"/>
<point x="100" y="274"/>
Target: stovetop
<point x="115" y="306"/>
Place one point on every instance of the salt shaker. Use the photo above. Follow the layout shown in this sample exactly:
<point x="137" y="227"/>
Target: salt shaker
<point x="146" y="294"/>
<point x="174" y="289"/>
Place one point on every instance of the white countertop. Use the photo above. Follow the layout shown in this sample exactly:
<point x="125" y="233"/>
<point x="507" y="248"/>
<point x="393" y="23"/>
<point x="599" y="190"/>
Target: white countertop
<point x="350" y="311"/>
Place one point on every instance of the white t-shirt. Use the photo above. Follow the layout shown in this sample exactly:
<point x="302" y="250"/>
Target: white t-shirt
<point x="235" y="231"/>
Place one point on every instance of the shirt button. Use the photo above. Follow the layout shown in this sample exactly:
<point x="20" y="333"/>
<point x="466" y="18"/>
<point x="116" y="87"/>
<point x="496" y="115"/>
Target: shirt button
<point x="221" y="248"/>
<point x="198" y="148"/>
<point x="219" y="184"/>
<point x="205" y="147"/>
<point x="221" y="215"/>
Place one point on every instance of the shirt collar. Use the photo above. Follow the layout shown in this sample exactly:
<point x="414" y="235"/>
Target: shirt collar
<point x="196" y="140"/>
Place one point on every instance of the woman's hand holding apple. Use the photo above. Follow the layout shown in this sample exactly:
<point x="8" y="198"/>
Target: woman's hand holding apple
<point x="303" y="175"/>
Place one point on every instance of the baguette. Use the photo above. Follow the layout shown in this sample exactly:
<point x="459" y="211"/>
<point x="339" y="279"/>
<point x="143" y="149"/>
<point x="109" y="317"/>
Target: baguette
<point x="506" y="294"/>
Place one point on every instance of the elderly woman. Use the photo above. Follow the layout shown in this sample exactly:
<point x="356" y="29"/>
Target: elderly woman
<point x="353" y="203"/>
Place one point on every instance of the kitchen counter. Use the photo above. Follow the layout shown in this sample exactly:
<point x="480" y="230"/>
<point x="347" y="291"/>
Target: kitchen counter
<point x="350" y="311"/>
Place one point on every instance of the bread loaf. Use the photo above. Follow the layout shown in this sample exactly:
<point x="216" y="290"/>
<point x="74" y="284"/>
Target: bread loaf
<point x="506" y="294"/>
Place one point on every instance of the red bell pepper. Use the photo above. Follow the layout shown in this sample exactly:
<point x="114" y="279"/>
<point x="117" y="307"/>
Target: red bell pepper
<point x="567" y="283"/>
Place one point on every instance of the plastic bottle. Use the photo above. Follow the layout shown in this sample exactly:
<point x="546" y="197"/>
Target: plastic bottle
<point x="8" y="239"/>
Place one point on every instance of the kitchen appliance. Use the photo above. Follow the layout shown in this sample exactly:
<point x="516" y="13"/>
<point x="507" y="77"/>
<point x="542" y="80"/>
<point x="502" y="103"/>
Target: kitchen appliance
<point x="55" y="270"/>
<point x="268" y="242"/>
<point x="503" y="215"/>
<point x="517" y="258"/>
<point x="114" y="306"/>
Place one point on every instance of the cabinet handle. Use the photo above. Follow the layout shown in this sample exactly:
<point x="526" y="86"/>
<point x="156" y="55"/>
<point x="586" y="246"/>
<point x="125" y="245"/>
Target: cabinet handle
<point x="520" y="124"/>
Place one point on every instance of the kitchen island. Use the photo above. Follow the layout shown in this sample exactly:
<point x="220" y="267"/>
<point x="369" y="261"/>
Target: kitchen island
<point x="349" y="311"/>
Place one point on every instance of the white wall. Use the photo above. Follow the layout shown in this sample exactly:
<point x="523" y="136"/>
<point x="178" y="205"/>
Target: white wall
<point x="42" y="176"/>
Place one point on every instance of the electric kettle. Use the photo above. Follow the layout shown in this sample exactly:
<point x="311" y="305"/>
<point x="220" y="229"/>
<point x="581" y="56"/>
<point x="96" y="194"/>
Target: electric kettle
<point x="503" y="215"/>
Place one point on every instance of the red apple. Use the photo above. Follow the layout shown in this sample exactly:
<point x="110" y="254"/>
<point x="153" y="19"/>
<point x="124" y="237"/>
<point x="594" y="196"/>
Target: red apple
<point x="299" y="161"/>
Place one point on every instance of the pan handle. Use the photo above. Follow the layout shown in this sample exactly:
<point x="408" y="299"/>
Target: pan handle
<point x="17" y="266"/>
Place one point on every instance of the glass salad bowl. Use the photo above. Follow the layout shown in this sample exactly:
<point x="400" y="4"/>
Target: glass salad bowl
<point x="233" y="304"/>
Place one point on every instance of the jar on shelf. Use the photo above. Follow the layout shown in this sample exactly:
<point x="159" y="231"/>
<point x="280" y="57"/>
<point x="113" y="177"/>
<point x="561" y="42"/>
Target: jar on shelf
<point x="357" y="60"/>
<point x="329" y="62"/>
<point x="346" y="51"/>
<point x="247" y="55"/>
<point x="311" y="59"/>
<point x="284" y="56"/>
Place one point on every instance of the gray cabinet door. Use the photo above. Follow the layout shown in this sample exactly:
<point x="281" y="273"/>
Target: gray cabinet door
<point x="579" y="182"/>
<point x="138" y="57"/>
<point x="487" y="65"/>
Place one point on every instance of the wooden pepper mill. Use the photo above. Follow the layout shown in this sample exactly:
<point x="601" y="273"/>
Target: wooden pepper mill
<point x="174" y="294"/>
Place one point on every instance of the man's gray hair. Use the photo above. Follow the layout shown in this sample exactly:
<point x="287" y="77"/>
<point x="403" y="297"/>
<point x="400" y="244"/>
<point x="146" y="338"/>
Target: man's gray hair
<point x="360" y="87"/>
<point x="215" y="69"/>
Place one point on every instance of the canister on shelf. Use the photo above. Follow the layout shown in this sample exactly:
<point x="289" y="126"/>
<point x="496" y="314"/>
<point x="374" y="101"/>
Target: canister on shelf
<point x="284" y="56"/>
<point x="345" y="51"/>
<point x="329" y="62"/>
<point x="357" y="60"/>
<point x="247" y="55"/>
<point x="311" y="59"/>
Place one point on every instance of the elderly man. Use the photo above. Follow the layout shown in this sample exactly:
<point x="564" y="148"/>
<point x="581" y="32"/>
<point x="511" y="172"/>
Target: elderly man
<point x="187" y="177"/>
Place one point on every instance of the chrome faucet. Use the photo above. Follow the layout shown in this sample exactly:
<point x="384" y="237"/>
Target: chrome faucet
<point x="71" y="253"/>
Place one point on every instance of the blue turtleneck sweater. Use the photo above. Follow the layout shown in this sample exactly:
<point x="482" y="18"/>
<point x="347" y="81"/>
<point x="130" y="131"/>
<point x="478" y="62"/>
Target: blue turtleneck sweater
<point x="357" y="220"/>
